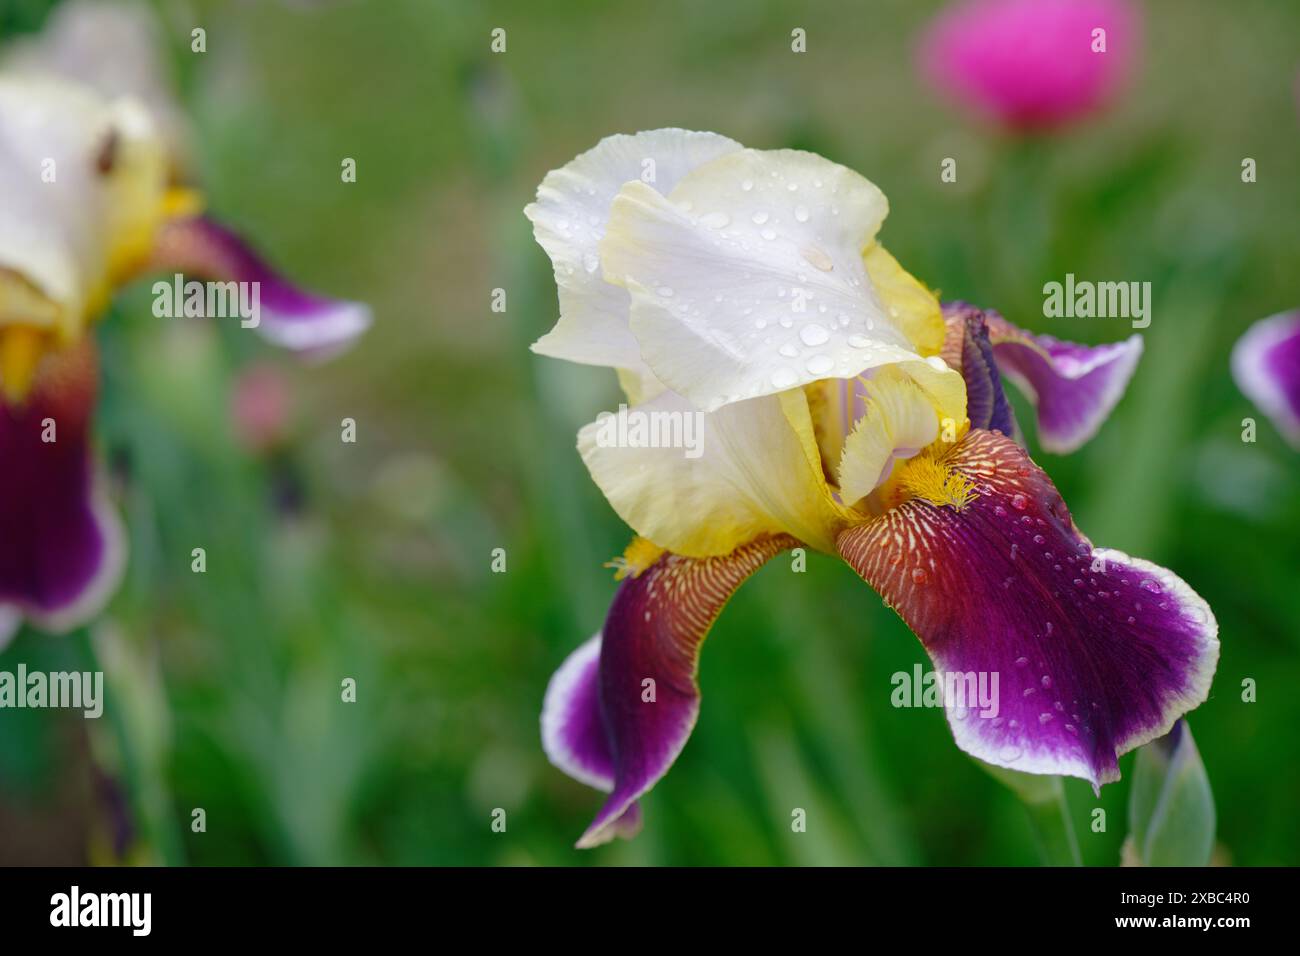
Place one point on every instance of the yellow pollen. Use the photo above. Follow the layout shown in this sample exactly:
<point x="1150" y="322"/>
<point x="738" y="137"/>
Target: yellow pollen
<point x="929" y="479"/>
<point x="640" y="554"/>
<point x="21" y="349"/>
<point x="180" y="202"/>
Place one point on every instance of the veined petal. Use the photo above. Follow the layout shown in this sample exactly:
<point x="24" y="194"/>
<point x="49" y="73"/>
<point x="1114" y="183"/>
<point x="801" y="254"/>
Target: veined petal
<point x="701" y="484"/>
<point x="839" y="405"/>
<point x="1074" y="387"/>
<point x="750" y="278"/>
<point x="1266" y="365"/>
<point x="290" y="317"/>
<point x="83" y="181"/>
<point x="621" y="708"/>
<point x="900" y="420"/>
<point x="62" y="550"/>
<point x="569" y="220"/>
<point x="1094" y="652"/>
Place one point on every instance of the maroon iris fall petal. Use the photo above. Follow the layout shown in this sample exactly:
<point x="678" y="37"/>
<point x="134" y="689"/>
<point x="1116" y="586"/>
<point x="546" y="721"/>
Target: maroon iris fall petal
<point x="621" y="709"/>
<point x="61" y="546"/>
<point x="1095" y="652"/>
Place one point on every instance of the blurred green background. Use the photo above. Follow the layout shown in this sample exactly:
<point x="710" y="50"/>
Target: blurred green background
<point x="328" y="560"/>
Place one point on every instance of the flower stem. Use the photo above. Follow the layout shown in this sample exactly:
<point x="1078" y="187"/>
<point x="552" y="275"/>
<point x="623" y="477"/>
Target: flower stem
<point x="1055" y="833"/>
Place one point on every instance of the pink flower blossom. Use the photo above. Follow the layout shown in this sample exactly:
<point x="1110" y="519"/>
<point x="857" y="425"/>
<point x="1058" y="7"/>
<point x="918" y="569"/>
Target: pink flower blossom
<point x="1031" y="64"/>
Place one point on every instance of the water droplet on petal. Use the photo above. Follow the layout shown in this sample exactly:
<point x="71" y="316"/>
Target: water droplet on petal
<point x="813" y="334"/>
<point x="784" y="378"/>
<point x="747" y="185"/>
<point x="1019" y="502"/>
<point x="768" y="234"/>
<point x="801" y="213"/>
<point x="759" y="217"/>
<point x="820" y="364"/>
<point x="665" y="291"/>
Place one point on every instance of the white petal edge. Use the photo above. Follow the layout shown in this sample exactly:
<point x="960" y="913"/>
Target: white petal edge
<point x="1256" y="381"/>
<point x="555" y="713"/>
<point x="569" y="219"/>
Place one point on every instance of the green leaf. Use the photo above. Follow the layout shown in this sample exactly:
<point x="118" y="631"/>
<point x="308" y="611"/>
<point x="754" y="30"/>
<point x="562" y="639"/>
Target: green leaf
<point x="1171" y="807"/>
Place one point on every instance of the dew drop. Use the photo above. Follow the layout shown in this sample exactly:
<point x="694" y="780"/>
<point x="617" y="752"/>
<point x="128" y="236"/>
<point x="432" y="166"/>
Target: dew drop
<point x="759" y="218"/>
<point x="801" y="213"/>
<point x="665" y="291"/>
<point x="820" y="364"/>
<point x="919" y="575"/>
<point x="1019" y="502"/>
<point x="747" y="185"/>
<point x="813" y="334"/>
<point x="768" y="234"/>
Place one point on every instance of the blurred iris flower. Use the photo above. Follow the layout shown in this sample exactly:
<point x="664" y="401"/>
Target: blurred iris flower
<point x="90" y="166"/>
<point x="1266" y="365"/>
<point x="842" y="409"/>
<point x="1031" y="64"/>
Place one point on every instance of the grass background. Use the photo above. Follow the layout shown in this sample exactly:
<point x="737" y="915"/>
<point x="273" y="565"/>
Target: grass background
<point x="371" y="560"/>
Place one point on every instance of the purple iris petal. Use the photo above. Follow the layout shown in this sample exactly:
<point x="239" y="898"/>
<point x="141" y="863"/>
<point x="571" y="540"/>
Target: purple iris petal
<point x="1266" y="365"/>
<point x="620" y="709"/>
<point x="1095" y="653"/>
<point x="573" y="734"/>
<point x="290" y="317"/>
<point x="1074" y="387"/>
<point x="61" y="546"/>
<point x="967" y="348"/>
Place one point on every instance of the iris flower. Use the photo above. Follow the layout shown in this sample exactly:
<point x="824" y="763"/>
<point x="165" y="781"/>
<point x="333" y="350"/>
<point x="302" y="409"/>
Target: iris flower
<point x="843" y="410"/>
<point x="1266" y="365"/>
<point x="91" y="201"/>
